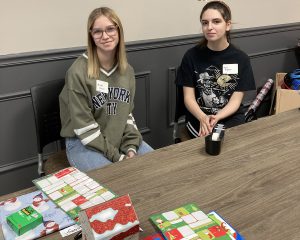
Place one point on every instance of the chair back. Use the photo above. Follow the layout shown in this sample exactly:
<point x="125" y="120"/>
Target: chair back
<point x="180" y="109"/>
<point x="45" y="101"/>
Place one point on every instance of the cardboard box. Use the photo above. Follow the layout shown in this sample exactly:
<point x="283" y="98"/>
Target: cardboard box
<point x="24" y="220"/>
<point x="114" y="219"/>
<point x="284" y="99"/>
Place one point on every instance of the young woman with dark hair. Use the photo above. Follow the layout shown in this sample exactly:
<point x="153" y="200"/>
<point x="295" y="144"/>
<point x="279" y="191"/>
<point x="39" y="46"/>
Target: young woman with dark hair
<point x="214" y="75"/>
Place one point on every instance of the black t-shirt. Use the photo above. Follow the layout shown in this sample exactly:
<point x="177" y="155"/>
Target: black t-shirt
<point x="215" y="75"/>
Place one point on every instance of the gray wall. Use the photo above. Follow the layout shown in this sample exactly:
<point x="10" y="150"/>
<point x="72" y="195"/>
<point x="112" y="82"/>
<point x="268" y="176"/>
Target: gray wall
<point x="271" y="49"/>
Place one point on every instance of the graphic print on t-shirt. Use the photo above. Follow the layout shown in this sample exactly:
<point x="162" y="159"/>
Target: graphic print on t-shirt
<point x="214" y="89"/>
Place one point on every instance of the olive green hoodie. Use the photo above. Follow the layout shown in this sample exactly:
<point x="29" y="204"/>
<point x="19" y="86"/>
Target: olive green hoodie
<point x="99" y="111"/>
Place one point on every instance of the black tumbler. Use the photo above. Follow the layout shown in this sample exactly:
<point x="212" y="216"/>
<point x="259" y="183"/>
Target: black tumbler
<point x="213" y="147"/>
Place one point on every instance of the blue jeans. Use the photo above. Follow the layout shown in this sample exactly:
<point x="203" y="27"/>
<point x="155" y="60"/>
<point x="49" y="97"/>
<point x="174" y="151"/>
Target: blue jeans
<point x="85" y="159"/>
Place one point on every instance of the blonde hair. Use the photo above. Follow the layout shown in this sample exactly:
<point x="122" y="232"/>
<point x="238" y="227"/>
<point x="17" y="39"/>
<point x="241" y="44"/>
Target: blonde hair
<point x="93" y="70"/>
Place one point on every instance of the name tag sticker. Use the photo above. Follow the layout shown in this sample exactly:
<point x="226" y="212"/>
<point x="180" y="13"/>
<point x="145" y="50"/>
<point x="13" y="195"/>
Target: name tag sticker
<point x="230" y="68"/>
<point x="101" y="86"/>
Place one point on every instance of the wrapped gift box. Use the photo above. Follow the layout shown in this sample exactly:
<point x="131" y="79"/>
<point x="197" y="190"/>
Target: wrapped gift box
<point x="73" y="190"/>
<point x="189" y="222"/>
<point x="114" y="219"/>
<point x="156" y="236"/>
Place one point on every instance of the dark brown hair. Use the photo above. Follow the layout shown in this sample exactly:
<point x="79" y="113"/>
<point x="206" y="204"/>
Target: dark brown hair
<point x="223" y="9"/>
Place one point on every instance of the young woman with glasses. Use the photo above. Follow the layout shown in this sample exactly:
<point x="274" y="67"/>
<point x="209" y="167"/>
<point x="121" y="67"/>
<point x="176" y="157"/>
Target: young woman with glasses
<point x="214" y="75"/>
<point x="96" y="102"/>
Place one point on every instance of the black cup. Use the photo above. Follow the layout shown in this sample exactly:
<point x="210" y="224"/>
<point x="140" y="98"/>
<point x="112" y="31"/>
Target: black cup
<point x="213" y="147"/>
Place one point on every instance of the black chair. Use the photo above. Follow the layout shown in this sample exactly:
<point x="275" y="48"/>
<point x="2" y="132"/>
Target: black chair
<point x="45" y="101"/>
<point x="180" y="111"/>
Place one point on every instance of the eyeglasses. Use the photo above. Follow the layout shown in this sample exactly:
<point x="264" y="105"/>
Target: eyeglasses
<point x="110" y="31"/>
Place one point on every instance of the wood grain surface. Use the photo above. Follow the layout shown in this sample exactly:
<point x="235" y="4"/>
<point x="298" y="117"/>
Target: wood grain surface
<point x="254" y="183"/>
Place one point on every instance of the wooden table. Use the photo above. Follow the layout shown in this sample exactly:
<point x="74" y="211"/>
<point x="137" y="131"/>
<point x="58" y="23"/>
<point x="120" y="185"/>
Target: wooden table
<point x="254" y="183"/>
